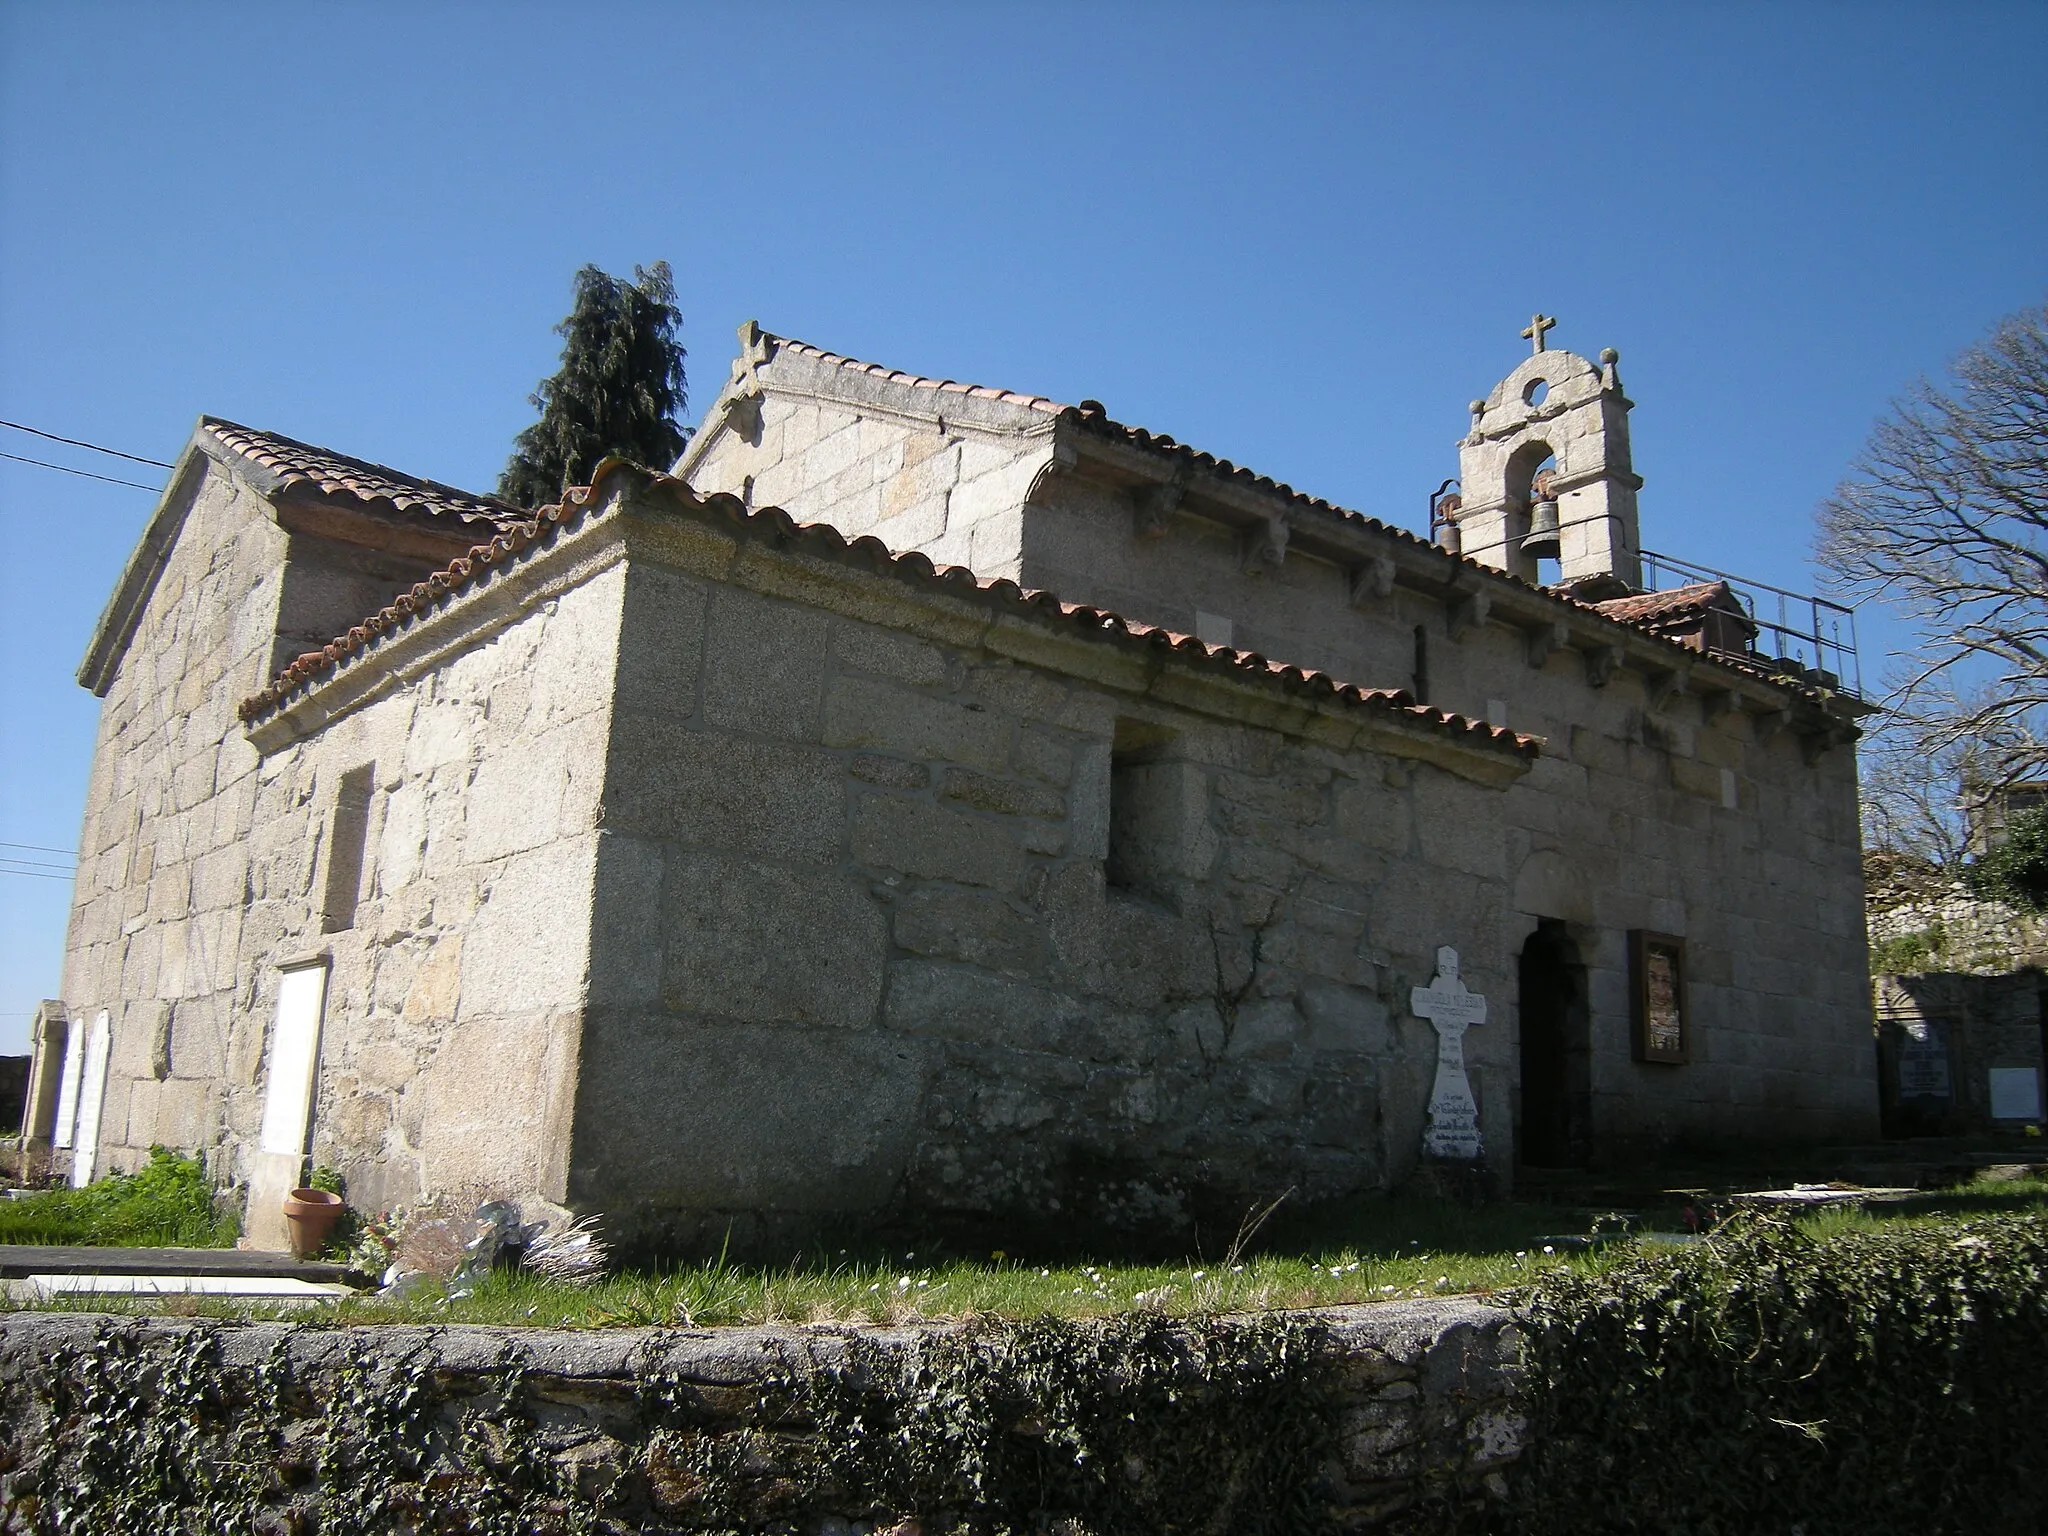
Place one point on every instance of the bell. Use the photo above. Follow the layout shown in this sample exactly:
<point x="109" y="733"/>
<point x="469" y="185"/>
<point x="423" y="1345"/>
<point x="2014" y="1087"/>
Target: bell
<point x="1450" y="538"/>
<point x="1542" y="542"/>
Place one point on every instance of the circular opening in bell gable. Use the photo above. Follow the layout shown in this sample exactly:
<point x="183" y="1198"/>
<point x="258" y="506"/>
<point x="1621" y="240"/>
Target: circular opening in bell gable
<point x="1534" y="391"/>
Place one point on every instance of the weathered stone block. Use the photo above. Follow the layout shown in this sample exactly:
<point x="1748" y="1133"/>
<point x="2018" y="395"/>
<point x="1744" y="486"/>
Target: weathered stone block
<point x="765" y="665"/>
<point x="876" y="716"/>
<point x="504" y="970"/>
<point x="769" y="945"/>
<point x="936" y="843"/>
<point x="714" y="791"/>
<point x="867" y="648"/>
<point x="732" y="1117"/>
<point x="977" y="927"/>
<point x="1003" y="797"/>
<point x="889" y="772"/>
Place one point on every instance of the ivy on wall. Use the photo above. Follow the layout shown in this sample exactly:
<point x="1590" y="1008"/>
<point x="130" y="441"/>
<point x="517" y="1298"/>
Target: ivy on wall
<point x="1765" y="1380"/>
<point x="1774" y="1380"/>
<point x="1129" y="1425"/>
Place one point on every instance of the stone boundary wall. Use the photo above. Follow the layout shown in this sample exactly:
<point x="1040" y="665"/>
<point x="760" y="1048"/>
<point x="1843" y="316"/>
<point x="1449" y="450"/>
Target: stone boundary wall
<point x="1967" y="933"/>
<point x="1431" y="1401"/>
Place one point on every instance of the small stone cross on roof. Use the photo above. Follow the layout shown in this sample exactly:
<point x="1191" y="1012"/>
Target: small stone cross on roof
<point x="1538" y="324"/>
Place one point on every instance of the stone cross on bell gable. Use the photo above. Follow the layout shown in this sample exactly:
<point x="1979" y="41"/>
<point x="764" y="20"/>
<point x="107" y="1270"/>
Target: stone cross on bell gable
<point x="1538" y="324"/>
<point x="1453" y="1113"/>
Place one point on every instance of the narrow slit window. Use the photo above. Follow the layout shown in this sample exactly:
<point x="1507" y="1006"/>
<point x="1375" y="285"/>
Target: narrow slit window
<point x="1421" y="688"/>
<point x="351" y="830"/>
<point x="1144" y="797"/>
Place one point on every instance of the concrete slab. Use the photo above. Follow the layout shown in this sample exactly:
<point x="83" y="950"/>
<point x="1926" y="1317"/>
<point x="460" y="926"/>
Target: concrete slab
<point x="35" y="1288"/>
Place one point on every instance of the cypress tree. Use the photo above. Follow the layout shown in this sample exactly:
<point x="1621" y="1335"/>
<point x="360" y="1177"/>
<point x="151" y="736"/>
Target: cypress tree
<point x="618" y="391"/>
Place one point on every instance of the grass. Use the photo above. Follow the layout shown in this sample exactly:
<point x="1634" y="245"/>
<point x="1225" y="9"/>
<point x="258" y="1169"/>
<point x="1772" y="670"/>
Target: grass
<point x="1386" y="1250"/>
<point x="165" y="1203"/>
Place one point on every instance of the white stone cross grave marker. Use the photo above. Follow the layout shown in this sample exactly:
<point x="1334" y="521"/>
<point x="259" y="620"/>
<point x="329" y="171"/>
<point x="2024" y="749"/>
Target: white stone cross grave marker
<point x="1453" y="1112"/>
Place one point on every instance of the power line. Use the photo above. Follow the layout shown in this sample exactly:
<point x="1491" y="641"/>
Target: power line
<point x="79" y="442"/>
<point x="32" y="874"/>
<point x="69" y="853"/>
<point x="37" y="863"/>
<point x="67" y="469"/>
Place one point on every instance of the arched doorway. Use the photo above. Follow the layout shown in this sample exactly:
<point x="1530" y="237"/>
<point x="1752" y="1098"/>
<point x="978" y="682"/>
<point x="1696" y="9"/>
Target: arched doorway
<point x="1556" y="1055"/>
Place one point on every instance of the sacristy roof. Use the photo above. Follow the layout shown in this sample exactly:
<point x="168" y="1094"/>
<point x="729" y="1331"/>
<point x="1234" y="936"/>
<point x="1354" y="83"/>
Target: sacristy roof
<point x="280" y="469"/>
<point x="506" y="550"/>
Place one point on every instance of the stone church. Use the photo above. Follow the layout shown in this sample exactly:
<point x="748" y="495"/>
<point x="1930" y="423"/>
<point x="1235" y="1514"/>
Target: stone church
<point x="934" y="807"/>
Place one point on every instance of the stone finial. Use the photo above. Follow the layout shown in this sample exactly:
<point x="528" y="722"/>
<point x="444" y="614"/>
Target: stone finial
<point x="743" y="392"/>
<point x="1539" y="323"/>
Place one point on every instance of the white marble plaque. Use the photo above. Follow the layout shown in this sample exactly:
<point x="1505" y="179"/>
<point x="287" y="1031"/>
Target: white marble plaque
<point x="1453" y="1129"/>
<point x="92" y="1099"/>
<point x="67" y="1085"/>
<point x="279" y="1163"/>
<point x="2015" y="1093"/>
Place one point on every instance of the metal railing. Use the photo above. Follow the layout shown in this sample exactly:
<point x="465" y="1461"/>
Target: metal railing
<point x="1798" y="628"/>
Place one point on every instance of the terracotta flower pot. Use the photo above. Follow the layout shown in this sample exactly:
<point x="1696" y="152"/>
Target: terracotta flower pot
<point x="311" y="1214"/>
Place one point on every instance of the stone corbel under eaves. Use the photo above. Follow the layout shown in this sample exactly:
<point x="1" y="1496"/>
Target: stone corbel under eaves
<point x="1372" y="581"/>
<point x="1661" y="683"/>
<point x="1265" y="546"/>
<point x="1819" y="736"/>
<point x="1602" y="662"/>
<point x="1153" y="505"/>
<point x="1466" y="610"/>
<point x="1767" y="719"/>
<point x="1544" y="638"/>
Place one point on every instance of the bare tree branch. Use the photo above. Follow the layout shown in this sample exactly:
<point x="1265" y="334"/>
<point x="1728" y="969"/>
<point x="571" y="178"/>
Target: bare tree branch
<point x="1945" y="516"/>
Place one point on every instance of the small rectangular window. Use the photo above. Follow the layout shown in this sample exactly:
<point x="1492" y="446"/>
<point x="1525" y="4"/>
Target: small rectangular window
<point x="1145" y="812"/>
<point x="350" y="831"/>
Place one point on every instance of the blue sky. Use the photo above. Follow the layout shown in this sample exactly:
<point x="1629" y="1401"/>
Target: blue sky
<point x="1301" y="236"/>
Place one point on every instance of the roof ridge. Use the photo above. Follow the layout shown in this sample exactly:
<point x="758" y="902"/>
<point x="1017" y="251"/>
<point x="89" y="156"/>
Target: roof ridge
<point x="1043" y="403"/>
<point x="823" y="539"/>
<point x="1094" y="416"/>
<point x="294" y="461"/>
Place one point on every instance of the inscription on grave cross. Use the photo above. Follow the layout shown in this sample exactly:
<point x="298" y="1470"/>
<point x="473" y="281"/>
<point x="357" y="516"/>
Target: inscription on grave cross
<point x="1453" y="1129"/>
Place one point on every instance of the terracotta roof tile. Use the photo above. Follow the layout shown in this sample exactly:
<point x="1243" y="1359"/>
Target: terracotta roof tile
<point x="918" y="381"/>
<point x="825" y="541"/>
<point x="1094" y="417"/>
<point x="1676" y="603"/>
<point x="289" y="462"/>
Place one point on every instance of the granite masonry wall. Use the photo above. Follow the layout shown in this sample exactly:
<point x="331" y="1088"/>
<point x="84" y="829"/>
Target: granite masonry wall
<point x="157" y="914"/>
<point x="942" y="472"/>
<point x="720" y="887"/>
<point x="457" y="939"/>
<point x="203" y="866"/>
<point x="1432" y="1403"/>
<point x="1652" y="807"/>
<point x="902" y="914"/>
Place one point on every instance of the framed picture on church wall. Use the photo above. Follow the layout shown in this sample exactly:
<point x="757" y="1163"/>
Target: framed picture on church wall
<point x="1656" y="975"/>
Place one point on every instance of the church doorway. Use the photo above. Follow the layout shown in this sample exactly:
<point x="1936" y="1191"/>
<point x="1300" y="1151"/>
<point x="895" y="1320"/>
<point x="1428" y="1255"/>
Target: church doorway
<point x="1556" y="1052"/>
